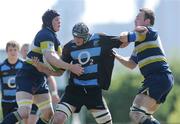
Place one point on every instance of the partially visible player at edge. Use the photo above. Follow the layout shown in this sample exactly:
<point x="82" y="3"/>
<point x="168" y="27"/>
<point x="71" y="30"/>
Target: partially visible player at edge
<point x="8" y="70"/>
<point x="149" y="55"/>
<point x="32" y="84"/>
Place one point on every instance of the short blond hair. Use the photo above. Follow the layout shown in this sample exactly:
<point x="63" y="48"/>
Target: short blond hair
<point x="12" y="43"/>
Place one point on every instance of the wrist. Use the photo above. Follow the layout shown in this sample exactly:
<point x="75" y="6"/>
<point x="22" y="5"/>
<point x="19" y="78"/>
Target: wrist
<point x="54" y="93"/>
<point x="69" y="67"/>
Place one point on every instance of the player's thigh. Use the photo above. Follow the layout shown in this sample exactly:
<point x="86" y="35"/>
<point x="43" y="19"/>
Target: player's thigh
<point x="38" y="98"/>
<point x="44" y="103"/>
<point x="24" y="101"/>
<point x="23" y="95"/>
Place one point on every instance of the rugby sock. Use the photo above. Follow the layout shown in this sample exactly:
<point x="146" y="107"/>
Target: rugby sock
<point x="149" y="121"/>
<point x="11" y="118"/>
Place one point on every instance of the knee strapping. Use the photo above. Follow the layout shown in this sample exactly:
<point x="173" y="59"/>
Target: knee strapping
<point x="102" y="117"/>
<point x="65" y="108"/>
<point x="44" y="105"/>
<point x="139" y="115"/>
<point x="151" y="121"/>
<point x="25" y="102"/>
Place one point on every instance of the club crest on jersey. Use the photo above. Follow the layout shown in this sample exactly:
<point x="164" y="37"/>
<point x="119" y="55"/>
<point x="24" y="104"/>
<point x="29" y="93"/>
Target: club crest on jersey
<point x="82" y="55"/>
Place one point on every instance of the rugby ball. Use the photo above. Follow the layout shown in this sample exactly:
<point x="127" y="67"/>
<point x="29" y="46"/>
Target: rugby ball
<point x="51" y="67"/>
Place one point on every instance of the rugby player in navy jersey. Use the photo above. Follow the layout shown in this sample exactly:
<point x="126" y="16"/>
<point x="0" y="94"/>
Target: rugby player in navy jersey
<point x="8" y="70"/>
<point x="149" y="55"/>
<point x="93" y="52"/>
<point x="31" y="83"/>
<point x="35" y="113"/>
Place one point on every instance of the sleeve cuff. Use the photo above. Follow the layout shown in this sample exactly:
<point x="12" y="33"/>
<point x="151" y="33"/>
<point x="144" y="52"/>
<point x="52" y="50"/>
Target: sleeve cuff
<point x="132" y="36"/>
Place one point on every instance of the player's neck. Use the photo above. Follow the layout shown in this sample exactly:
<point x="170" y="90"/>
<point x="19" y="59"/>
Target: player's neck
<point x="12" y="60"/>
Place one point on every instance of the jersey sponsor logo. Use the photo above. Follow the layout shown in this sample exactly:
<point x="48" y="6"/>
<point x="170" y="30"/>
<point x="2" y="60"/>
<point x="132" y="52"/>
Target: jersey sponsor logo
<point x="11" y="82"/>
<point x="80" y="56"/>
<point x="84" y="56"/>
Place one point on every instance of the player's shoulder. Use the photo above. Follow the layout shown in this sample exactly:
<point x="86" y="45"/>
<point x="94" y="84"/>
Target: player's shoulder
<point x="20" y="61"/>
<point x="69" y="44"/>
<point x="152" y="34"/>
<point x="4" y="62"/>
<point x="45" y="34"/>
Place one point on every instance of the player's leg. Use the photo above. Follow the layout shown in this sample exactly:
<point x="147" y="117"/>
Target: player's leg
<point x="66" y="107"/>
<point x="63" y="112"/>
<point x="8" y="108"/>
<point x="24" y="101"/>
<point x="34" y="115"/>
<point x="142" y="109"/>
<point x="102" y="115"/>
<point x="153" y="92"/>
<point x="44" y="103"/>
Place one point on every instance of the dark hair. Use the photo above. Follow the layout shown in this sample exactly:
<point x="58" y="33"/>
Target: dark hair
<point x="47" y="18"/>
<point x="148" y="14"/>
<point x="13" y="44"/>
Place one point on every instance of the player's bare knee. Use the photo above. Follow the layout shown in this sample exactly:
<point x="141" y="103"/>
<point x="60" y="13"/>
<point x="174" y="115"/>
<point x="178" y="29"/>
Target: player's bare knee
<point x="59" y="118"/>
<point x="137" y="115"/>
<point x="47" y="113"/>
<point x="102" y="117"/>
<point x="24" y="111"/>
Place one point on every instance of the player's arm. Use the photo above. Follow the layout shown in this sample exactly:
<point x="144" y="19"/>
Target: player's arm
<point x="111" y="41"/>
<point x="139" y="34"/>
<point x="126" y="61"/>
<point x="53" y="89"/>
<point x="43" y="68"/>
<point x="54" y="59"/>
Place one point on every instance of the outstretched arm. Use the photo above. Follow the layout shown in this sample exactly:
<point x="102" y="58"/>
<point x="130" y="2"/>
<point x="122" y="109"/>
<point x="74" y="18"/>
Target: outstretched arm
<point x="139" y="34"/>
<point x="126" y="61"/>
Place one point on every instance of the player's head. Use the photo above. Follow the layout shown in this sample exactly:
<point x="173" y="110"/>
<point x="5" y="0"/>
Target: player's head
<point x="81" y="31"/>
<point x="12" y="49"/>
<point x="145" y="17"/>
<point x="24" y="50"/>
<point x="51" y="20"/>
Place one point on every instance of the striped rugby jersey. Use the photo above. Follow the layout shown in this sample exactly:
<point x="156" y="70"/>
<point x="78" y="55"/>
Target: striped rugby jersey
<point x="7" y="80"/>
<point x="95" y="56"/>
<point x="149" y="54"/>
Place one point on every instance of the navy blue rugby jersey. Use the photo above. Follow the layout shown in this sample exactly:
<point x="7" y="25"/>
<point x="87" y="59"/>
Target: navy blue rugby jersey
<point x="7" y="80"/>
<point x="96" y="58"/>
<point x="149" y="54"/>
<point x="45" y="40"/>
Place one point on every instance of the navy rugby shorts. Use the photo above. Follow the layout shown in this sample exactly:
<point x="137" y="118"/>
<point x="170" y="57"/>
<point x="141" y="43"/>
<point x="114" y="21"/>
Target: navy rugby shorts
<point x="158" y="86"/>
<point x="78" y="96"/>
<point x="32" y="82"/>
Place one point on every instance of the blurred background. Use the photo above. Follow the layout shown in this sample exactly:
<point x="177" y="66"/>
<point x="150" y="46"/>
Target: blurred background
<point x="20" y="21"/>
